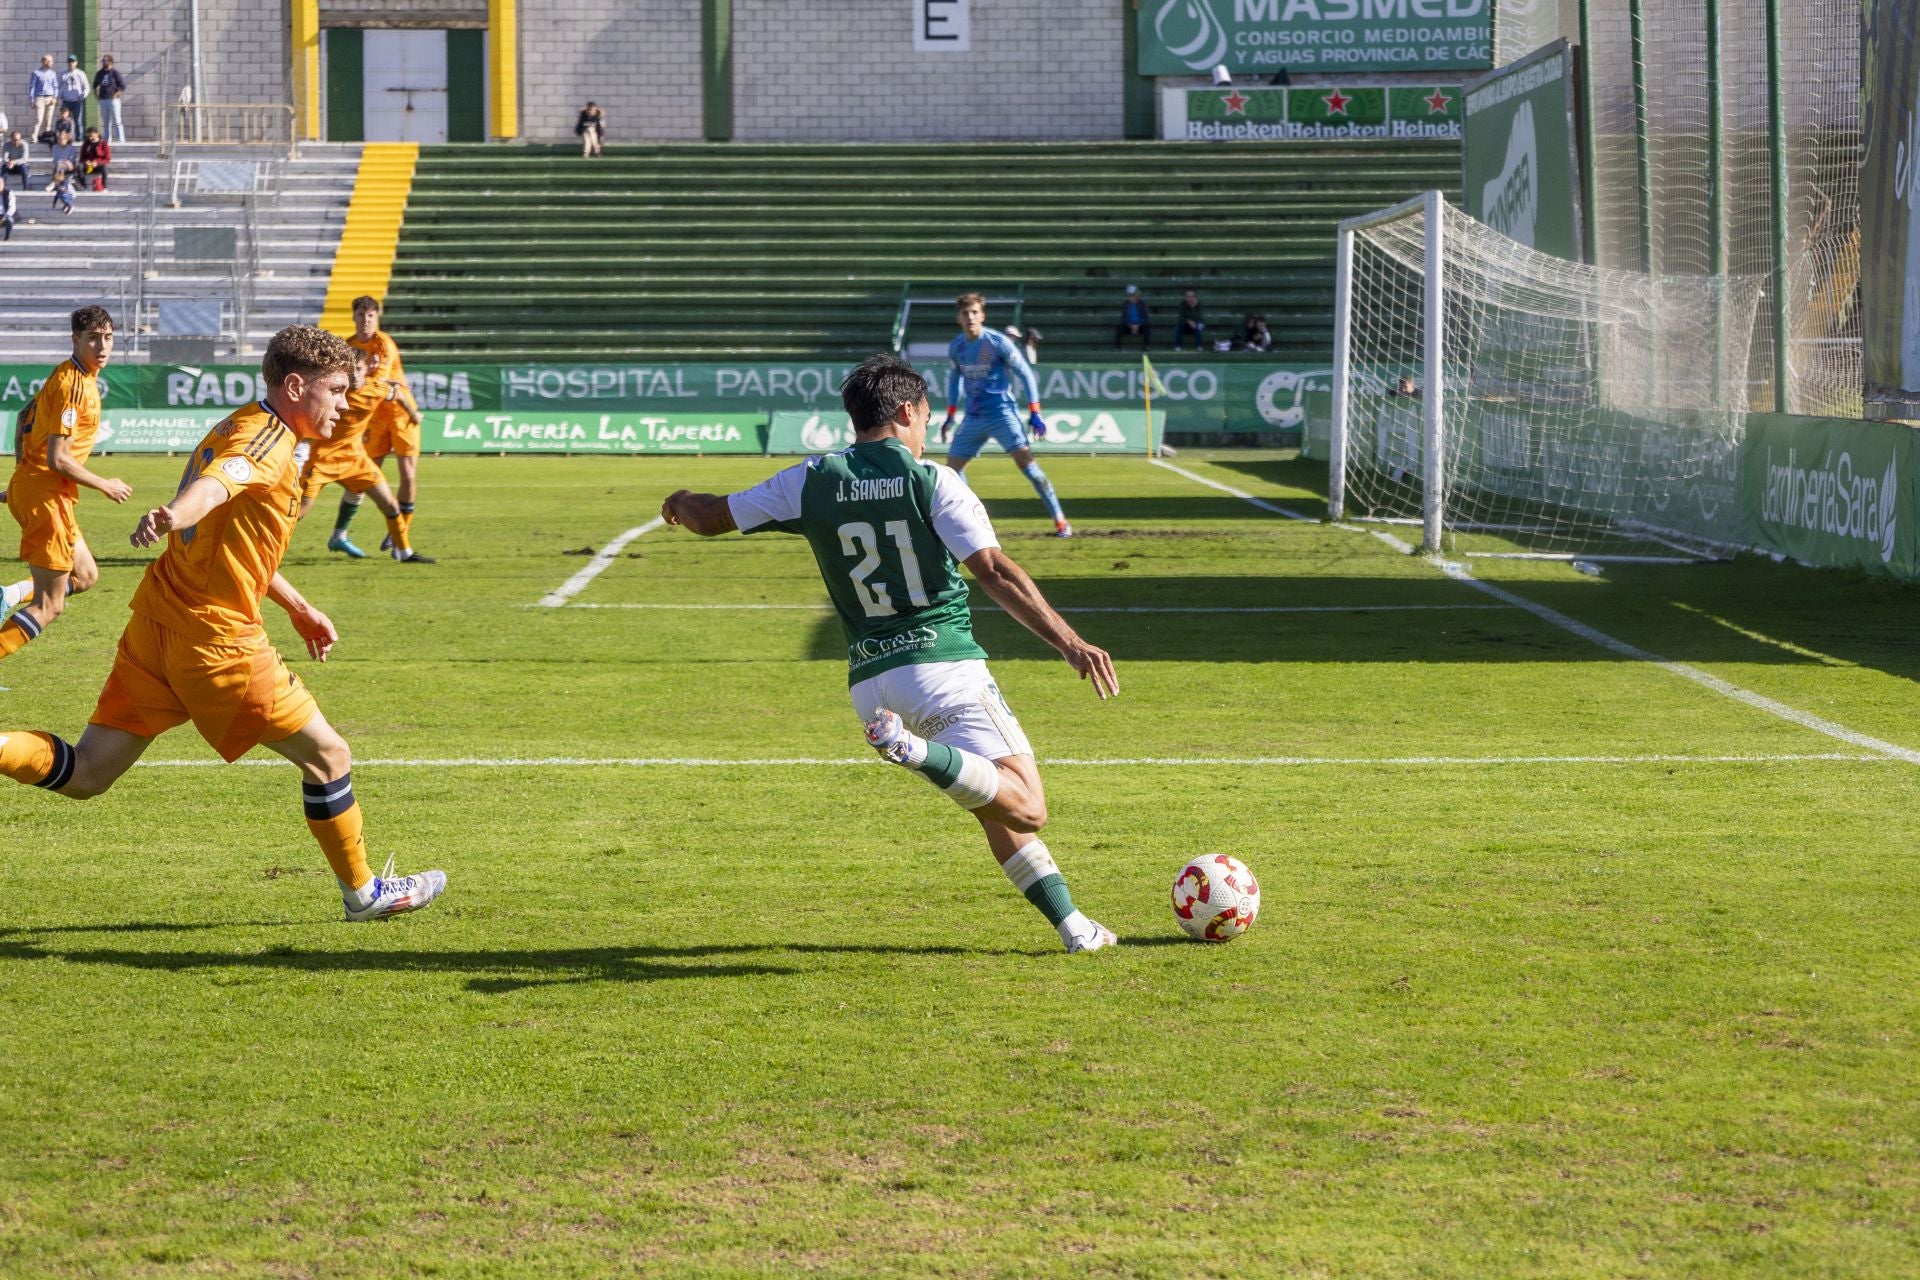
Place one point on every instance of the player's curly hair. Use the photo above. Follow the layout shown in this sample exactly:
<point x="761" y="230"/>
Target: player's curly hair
<point x="876" y="389"/>
<point x="307" y="351"/>
<point x="970" y="300"/>
<point x="90" y="318"/>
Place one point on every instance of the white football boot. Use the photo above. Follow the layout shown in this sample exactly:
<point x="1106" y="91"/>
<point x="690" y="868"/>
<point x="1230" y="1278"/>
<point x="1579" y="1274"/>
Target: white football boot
<point x="887" y="734"/>
<point x="394" y="895"/>
<point x="1082" y="934"/>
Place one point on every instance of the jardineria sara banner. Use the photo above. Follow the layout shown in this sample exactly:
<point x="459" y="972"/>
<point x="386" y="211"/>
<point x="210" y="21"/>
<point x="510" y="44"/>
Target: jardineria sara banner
<point x="1192" y="37"/>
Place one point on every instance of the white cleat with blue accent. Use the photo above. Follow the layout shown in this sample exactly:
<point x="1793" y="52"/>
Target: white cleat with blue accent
<point x="395" y="895"/>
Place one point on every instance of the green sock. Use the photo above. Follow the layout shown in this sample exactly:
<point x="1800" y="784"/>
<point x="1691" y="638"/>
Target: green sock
<point x="942" y="764"/>
<point x="1034" y="874"/>
<point x="345" y="518"/>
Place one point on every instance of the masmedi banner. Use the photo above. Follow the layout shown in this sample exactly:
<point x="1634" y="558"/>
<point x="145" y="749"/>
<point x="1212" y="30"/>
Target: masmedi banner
<point x="1890" y="209"/>
<point x="1192" y="37"/>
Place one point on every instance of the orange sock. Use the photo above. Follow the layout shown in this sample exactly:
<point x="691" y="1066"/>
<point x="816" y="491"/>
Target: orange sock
<point x="397" y="530"/>
<point x="333" y="815"/>
<point x="35" y="758"/>
<point x="20" y="628"/>
<point x="406" y="520"/>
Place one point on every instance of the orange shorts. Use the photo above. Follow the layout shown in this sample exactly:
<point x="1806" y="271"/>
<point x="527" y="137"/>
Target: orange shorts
<point x="351" y="469"/>
<point x="237" y="692"/>
<point x="49" y="530"/>
<point x="392" y="432"/>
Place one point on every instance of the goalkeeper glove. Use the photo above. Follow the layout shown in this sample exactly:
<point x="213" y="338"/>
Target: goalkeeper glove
<point x="1038" y="423"/>
<point x="946" y="428"/>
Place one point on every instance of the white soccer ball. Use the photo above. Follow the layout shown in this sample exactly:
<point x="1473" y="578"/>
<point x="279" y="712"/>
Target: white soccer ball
<point x="1216" y="898"/>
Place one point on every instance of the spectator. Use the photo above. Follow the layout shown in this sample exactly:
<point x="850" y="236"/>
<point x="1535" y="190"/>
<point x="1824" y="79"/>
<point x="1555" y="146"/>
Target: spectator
<point x="13" y="160"/>
<point x="108" y="85"/>
<point x="1193" y="320"/>
<point x="43" y="90"/>
<point x="66" y="155"/>
<point x="592" y="128"/>
<point x="1406" y="388"/>
<point x="95" y="155"/>
<point x="74" y="88"/>
<point x="9" y="209"/>
<point x="1134" y="318"/>
<point x="66" y="122"/>
<point x="63" y="189"/>
<point x="1029" y="342"/>
<point x="1253" y="334"/>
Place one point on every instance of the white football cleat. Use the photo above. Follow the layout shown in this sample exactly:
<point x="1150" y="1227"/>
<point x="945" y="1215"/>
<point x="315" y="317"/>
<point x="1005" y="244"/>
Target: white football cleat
<point x="395" y="895"/>
<point x="887" y="734"/>
<point x="1099" y="937"/>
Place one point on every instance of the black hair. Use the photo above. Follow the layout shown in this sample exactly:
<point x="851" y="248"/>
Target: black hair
<point x="89" y="318"/>
<point x="876" y="389"/>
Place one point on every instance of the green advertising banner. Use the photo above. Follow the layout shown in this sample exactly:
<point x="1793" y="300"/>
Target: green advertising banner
<point x="1192" y="37"/>
<point x="1068" y="431"/>
<point x="1521" y="164"/>
<point x="20" y="383"/>
<point x="507" y="431"/>
<point x="1890" y="210"/>
<point x="1314" y="115"/>
<point x="154" y="430"/>
<point x="181" y="386"/>
<point x="1828" y="491"/>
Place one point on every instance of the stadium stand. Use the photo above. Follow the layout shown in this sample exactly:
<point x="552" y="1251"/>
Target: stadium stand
<point x="133" y="254"/>
<point x="770" y="252"/>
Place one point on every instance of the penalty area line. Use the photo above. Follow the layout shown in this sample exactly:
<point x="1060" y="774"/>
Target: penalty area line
<point x="1135" y="608"/>
<point x="1063" y="762"/>
<point x="578" y="582"/>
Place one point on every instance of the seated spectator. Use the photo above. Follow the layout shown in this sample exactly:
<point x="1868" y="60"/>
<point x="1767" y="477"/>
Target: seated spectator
<point x="592" y="129"/>
<point x="13" y="160"/>
<point x="95" y="156"/>
<point x="1134" y="319"/>
<point x="63" y="188"/>
<point x="66" y="122"/>
<point x="1029" y="342"/>
<point x="1253" y="334"/>
<point x="1406" y="388"/>
<point x="1193" y="320"/>
<point x="9" y="210"/>
<point x="66" y="155"/>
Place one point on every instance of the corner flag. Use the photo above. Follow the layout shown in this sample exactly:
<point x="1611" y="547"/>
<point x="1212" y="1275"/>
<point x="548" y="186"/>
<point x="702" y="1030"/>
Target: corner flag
<point x="1150" y="383"/>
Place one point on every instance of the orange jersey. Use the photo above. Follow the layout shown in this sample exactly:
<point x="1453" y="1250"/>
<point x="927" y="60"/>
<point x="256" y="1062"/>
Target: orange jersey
<point x="210" y="579"/>
<point x="383" y="359"/>
<point x="68" y="405"/>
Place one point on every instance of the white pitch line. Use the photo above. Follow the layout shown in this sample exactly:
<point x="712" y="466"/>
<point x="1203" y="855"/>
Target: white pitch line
<point x="714" y="762"/>
<point x="1241" y="494"/>
<point x="578" y="582"/>
<point x="1141" y="608"/>
<point x="1461" y="574"/>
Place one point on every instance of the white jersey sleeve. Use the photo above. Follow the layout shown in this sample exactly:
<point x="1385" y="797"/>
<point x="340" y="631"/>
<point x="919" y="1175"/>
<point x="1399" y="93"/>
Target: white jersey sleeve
<point x="958" y="517"/>
<point x="774" y="501"/>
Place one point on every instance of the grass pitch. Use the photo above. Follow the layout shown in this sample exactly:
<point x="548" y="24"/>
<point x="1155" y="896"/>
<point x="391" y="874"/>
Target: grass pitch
<point x="1567" y="966"/>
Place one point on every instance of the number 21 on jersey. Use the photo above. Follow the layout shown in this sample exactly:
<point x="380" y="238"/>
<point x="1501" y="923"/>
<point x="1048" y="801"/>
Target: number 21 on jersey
<point x="858" y="540"/>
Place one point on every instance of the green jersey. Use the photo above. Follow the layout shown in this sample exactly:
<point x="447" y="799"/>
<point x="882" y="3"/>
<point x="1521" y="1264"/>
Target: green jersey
<point x="888" y="534"/>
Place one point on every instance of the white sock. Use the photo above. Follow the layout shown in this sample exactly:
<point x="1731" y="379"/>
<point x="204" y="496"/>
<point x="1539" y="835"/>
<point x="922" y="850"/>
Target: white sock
<point x="363" y="896"/>
<point x="13" y="594"/>
<point x="977" y="785"/>
<point x="1076" y="926"/>
<point x="1034" y="862"/>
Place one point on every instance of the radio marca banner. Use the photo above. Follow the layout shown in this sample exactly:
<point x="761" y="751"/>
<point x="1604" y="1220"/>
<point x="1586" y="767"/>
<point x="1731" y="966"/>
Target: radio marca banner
<point x="1522" y="170"/>
<point x="1235" y="114"/>
<point x="1192" y="37"/>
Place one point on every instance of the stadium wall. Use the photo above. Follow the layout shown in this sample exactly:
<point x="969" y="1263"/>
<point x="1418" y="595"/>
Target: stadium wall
<point x="807" y="72"/>
<point x="639" y="59"/>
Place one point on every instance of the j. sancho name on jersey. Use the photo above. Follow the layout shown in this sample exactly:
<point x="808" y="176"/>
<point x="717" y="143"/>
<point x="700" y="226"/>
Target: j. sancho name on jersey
<point x="876" y="490"/>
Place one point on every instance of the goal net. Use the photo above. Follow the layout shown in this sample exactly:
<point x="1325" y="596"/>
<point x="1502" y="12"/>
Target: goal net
<point x="1509" y="402"/>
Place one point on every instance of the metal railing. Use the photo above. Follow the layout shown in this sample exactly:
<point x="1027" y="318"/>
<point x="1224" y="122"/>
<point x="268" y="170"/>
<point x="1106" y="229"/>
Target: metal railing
<point x="228" y="124"/>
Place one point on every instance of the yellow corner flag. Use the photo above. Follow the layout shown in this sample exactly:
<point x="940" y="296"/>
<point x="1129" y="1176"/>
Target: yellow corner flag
<point x="1150" y="383"/>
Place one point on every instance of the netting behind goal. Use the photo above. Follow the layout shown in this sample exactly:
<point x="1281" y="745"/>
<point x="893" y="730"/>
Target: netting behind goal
<point x="1578" y="410"/>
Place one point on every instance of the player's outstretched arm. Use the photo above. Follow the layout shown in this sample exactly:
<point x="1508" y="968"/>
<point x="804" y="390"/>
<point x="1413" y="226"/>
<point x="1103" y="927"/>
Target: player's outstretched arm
<point x="706" y="514"/>
<point x="313" y="626"/>
<point x="60" y="462"/>
<point x="1010" y="587"/>
<point x="188" y="508"/>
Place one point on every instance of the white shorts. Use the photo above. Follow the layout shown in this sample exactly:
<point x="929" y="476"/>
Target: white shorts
<point x="952" y="702"/>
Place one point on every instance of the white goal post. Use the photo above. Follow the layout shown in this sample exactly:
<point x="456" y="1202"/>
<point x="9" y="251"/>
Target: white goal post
<point x="1513" y="403"/>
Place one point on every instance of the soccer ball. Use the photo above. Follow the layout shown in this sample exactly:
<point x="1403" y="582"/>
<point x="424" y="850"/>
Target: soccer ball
<point x="1216" y="898"/>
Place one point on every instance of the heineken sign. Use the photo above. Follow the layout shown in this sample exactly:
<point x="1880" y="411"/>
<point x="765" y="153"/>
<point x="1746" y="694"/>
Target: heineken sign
<point x="1192" y="37"/>
<point x="1234" y="114"/>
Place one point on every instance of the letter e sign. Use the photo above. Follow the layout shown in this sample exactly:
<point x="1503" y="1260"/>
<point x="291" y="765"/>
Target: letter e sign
<point x="942" y="26"/>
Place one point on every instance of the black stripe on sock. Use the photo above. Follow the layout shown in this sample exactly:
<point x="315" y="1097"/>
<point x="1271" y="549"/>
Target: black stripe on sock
<point x="314" y="796"/>
<point x="406" y="508"/>
<point x="27" y="623"/>
<point x="63" y="759"/>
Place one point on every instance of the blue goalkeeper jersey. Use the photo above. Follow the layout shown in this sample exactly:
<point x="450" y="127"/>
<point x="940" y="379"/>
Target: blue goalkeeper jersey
<point x="986" y="368"/>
